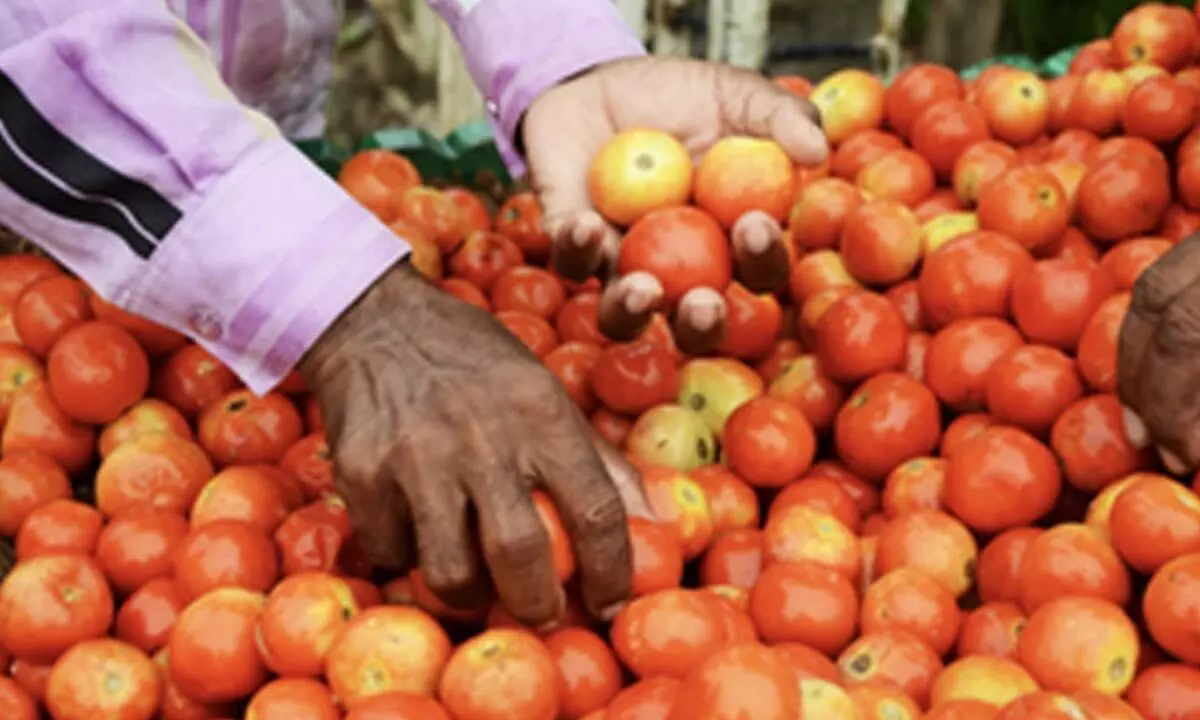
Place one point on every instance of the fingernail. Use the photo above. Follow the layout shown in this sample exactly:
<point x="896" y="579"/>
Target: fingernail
<point x="1174" y="464"/>
<point x="610" y="612"/>
<point x="1135" y="429"/>
<point x="637" y="302"/>
<point x="580" y="237"/>
<point x="704" y="318"/>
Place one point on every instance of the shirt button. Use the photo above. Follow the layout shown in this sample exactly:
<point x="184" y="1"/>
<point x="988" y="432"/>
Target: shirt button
<point x="491" y="107"/>
<point x="205" y="323"/>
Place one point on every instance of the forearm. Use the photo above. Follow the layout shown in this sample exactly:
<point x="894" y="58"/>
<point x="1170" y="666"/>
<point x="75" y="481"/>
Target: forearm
<point x="124" y="155"/>
<point x="517" y="49"/>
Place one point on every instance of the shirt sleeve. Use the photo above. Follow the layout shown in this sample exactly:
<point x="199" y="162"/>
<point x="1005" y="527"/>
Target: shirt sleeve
<point x="125" y="156"/>
<point x="517" y="49"/>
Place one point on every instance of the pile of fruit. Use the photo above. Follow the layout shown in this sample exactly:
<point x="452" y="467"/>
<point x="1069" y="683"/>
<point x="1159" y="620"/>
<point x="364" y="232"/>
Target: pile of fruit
<point x="901" y="489"/>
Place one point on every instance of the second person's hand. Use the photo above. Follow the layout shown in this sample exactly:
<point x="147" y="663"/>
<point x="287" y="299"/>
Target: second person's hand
<point x="697" y="102"/>
<point x="441" y="423"/>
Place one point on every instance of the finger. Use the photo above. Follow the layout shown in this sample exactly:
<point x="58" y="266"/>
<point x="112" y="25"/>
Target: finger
<point x="517" y="548"/>
<point x="581" y="243"/>
<point x="753" y="105"/>
<point x="449" y="557"/>
<point x="699" y="322"/>
<point x="625" y="477"/>
<point x="1154" y="291"/>
<point x="627" y="304"/>
<point x="379" y="514"/>
<point x="594" y="515"/>
<point x="1168" y="389"/>
<point x="1135" y="429"/>
<point x="759" y="253"/>
<point x="1172" y="462"/>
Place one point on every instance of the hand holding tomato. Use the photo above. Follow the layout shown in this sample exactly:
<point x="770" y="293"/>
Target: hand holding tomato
<point x="697" y="104"/>
<point x="441" y="424"/>
<point x="1158" y="363"/>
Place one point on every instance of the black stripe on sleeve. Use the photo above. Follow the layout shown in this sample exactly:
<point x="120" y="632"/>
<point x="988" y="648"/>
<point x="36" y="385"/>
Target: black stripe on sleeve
<point x="48" y="169"/>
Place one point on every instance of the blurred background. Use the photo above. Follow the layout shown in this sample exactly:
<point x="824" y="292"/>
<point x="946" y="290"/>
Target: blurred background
<point x="398" y="66"/>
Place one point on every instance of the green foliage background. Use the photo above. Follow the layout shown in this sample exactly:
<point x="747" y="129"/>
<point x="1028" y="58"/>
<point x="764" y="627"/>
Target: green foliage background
<point x="1043" y="27"/>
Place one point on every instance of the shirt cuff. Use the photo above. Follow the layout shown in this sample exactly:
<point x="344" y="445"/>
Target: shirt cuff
<point x="518" y="49"/>
<point x="272" y="254"/>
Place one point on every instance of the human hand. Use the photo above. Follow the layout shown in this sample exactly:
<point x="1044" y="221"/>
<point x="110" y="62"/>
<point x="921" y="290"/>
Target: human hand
<point x="697" y="102"/>
<point x="441" y="423"/>
<point x="1158" y="358"/>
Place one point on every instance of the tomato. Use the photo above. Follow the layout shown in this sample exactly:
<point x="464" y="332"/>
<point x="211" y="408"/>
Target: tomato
<point x="732" y="501"/>
<point x="36" y="423"/>
<point x="907" y="599"/>
<point x="249" y="497"/>
<point x="1072" y="559"/>
<point x="1165" y="691"/>
<point x="1155" y="34"/>
<point x="889" y="419"/>
<point x="519" y="220"/>
<point x="48" y="308"/>
<point x="633" y="377"/>
<point x="1080" y="643"/>
<point x="1090" y="440"/>
<point x="915" y="484"/>
<point x="467" y="292"/>
<point x="483" y="256"/>
<point x="376" y="178"/>
<point x="651" y="698"/>
<point x="859" y="335"/>
<point x="849" y="101"/>
<point x="1030" y="387"/>
<point x="1123" y="196"/>
<point x="146" y="417"/>
<point x="892" y="657"/>
<point x="310" y="461"/>
<point x="805" y="603"/>
<point x="752" y="324"/>
<point x="1160" y="109"/>
<point x="408" y="644"/>
<point x="475" y="213"/>
<point x="905" y="541"/>
<point x="96" y="371"/>
<point x="191" y="380"/>
<point x="244" y="428"/>
<point x="1153" y="521"/>
<point x="1096" y="352"/>
<point x="684" y="248"/>
<point x="501" y="670"/>
<point x="961" y="356"/>
<point x="901" y="175"/>
<point x="166" y="471"/>
<point x="300" y="619"/>
<point x="1016" y="106"/>
<point x="817" y="217"/>
<point x="528" y="289"/>
<point x="432" y="212"/>
<point x="149" y="614"/>
<point x="657" y="557"/>
<point x="993" y="680"/>
<point x="225" y="553"/>
<point x="978" y="166"/>
<point x="28" y="480"/>
<point x="650" y="648"/>
<point x="800" y="533"/>
<point x="50" y="603"/>
<point x="577" y="320"/>
<point x="881" y="242"/>
<point x="715" y="689"/>
<point x="212" y="650"/>
<point x="57" y="527"/>
<point x="588" y="674"/>
<point x="287" y="698"/>
<point x="945" y="129"/>
<point x="820" y="493"/>
<point x="991" y="629"/>
<point x="103" y="677"/>
<point x="311" y="537"/>
<point x="916" y="88"/>
<point x="1128" y="259"/>
<point x="15" y="703"/>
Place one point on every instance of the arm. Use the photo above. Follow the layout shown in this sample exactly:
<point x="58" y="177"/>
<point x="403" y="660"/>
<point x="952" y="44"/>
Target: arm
<point x="124" y="155"/>
<point x="517" y="49"/>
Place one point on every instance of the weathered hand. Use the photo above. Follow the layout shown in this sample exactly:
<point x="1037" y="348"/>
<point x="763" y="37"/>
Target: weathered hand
<point x="697" y="102"/>
<point x="441" y="423"/>
<point x="1158" y="364"/>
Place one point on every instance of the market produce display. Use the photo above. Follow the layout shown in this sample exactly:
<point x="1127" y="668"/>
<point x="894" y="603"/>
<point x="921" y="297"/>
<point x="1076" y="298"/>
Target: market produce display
<point x="901" y="489"/>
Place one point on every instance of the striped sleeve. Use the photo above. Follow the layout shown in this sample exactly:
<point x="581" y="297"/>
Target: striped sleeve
<point x="125" y="156"/>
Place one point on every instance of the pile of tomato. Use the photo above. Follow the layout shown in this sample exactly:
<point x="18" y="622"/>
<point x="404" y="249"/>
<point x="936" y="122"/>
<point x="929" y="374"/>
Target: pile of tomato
<point x="902" y="488"/>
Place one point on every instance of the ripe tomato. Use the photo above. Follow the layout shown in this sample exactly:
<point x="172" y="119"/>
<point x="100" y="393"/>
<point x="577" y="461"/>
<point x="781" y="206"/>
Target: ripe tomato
<point x="994" y="680"/>
<point x="961" y="355"/>
<point x="501" y="670"/>
<point x="734" y="559"/>
<point x="905" y="542"/>
<point x="146" y="417"/>
<point x="901" y="175"/>
<point x="528" y="289"/>
<point x="165" y="471"/>
<point x="149" y="614"/>
<point x="59" y="526"/>
<point x="407" y="642"/>
<point x="1080" y="643"/>
<point x="684" y="248"/>
<point x="889" y="419"/>
<point x="28" y="480"/>
<point x="1123" y="196"/>
<point x="638" y="171"/>
<point x="970" y="276"/>
<point x="244" y="428"/>
<point x="991" y="629"/>
<point x="633" y="377"/>
<point x="1153" y="521"/>
<point x="572" y="363"/>
<point x="945" y="129"/>
<point x="1026" y="203"/>
<point x="225" y="553"/>
<point x="891" y="657"/>
<point x="475" y="213"/>
<point x="805" y="603"/>
<point x="1072" y="559"/>
<point x="752" y="324"/>
<point x="915" y="484"/>
<point x="715" y="688"/>
<point x="849" y="101"/>
<point x="103" y="677"/>
<point x="36" y="423"/>
<point x="1031" y="385"/>
<point x="96" y="371"/>
<point x="588" y="674"/>
<point x="534" y="332"/>
<point x="577" y="320"/>
<point x="286" y="698"/>
<point x="800" y="533"/>
<point x="191" y="379"/>
<point x="1020" y="474"/>
<point x="519" y="220"/>
<point x="482" y="256"/>
<point x="465" y="291"/>
<point x="1016" y="106"/>
<point x="907" y="599"/>
<point x="769" y="442"/>
<point x="916" y="88"/>
<point x="857" y="152"/>
<point x="15" y="703"/>
<point x="859" y="335"/>
<point x="51" y="603"/>
<point x="653" y="649"/>
<point x="881" y="242"/>
<point x="300" y="619"/>
<point x="48" y="308"/>
<point x="376" y="178"/>
<point x="657" y="557"/>
<point x="820" y="210"/>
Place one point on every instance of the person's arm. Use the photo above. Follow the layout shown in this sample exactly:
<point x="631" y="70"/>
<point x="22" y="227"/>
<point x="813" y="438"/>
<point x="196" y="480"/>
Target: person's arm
<point x="517" y="49"/>
<point x="124" y="155"/>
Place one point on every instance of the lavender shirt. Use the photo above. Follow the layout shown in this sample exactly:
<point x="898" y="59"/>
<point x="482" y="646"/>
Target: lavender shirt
<point x="142" y="144"/>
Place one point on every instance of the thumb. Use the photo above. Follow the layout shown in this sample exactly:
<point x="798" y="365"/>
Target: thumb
<point x="750" y="104"/>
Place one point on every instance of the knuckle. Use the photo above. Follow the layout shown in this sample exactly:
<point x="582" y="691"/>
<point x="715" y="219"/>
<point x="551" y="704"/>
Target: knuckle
<point x="452" y="581"/>
<point x="1179" y="328"/>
